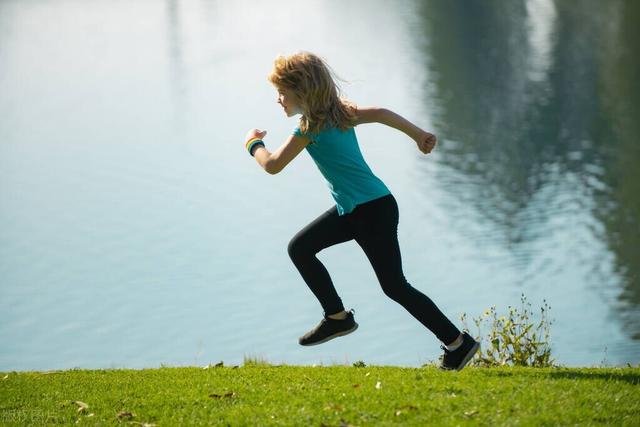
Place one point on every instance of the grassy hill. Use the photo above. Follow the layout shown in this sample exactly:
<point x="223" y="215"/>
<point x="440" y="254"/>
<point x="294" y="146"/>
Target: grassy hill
<point x="262" y="394"/>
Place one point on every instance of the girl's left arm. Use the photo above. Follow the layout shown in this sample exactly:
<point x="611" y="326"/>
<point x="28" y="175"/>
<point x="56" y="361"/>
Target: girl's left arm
<point x="275" y="162"/>
<point x="426" y="141"/>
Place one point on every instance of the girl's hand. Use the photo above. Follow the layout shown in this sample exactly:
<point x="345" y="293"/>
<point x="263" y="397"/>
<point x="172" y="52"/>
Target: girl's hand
<point x="255" y="133"/>
<point x="426" y="142"/>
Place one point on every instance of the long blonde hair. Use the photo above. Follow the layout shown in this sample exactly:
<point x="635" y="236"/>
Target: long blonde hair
<point x="310" y="78"/>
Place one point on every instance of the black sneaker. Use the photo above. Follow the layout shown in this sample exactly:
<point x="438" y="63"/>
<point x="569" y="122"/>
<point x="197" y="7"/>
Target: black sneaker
<point x="329" y="329"/>
<point x="458" y="358"/>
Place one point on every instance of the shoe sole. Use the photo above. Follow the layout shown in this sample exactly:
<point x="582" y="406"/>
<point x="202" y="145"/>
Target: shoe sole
<point x="330" y="337"/>
<point x="469" y="355"/>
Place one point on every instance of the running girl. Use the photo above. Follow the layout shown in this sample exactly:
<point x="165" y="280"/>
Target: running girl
<point x="365" y="209"/>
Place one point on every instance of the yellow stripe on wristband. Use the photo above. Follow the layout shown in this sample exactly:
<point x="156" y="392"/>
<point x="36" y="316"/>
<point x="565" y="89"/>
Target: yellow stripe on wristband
<point x="255" y="143"/>
<point x="248" y="144"/>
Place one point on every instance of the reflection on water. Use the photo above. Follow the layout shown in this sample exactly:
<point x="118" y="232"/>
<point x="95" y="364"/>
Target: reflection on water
<point x="127" y="206"/>
<point x="539" y="108"/>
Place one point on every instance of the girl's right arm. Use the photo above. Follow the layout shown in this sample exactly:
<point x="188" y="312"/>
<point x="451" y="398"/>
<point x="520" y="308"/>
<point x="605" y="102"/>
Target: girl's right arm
<point x="274" y="162"/>
<point x="425" y="140"/>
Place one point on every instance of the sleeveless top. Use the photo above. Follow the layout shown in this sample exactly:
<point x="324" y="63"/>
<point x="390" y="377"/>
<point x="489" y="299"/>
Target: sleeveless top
<point x="339" y="159"/>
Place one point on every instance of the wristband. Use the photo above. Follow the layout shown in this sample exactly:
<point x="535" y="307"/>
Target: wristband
<point x="255" y="138"/>
<point x="252" y="143"/>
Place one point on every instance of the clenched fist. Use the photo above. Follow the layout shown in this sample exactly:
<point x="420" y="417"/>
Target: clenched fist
<point x="426" y="142"/>
<point x="255" y="133"/>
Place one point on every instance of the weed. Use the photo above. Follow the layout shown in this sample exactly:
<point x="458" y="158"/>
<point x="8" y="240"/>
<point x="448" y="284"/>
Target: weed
<point x="255" y="361"/>
<point x="516" y="339"/>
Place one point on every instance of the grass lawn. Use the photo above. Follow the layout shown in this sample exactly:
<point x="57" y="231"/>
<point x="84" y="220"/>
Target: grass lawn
<point x="260" y="394"/>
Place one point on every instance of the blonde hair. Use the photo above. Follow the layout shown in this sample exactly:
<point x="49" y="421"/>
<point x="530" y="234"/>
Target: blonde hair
<point x="311" y="80"/>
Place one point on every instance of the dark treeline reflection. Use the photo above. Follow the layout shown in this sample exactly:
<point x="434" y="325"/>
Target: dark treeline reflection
<point x="538" y="109"/>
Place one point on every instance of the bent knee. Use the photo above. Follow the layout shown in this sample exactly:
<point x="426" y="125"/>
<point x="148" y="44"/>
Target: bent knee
<point x="297" y="248"/>
<point x="292" y="248"/>
<point x="397" y="290"/>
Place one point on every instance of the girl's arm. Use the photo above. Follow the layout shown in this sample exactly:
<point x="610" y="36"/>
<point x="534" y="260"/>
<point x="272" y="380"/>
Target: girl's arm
<point x="274" y="162"/>
<point x="425" y="140"/>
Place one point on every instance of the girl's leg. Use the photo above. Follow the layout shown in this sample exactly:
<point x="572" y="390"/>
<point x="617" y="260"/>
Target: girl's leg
<point x="376" y="228"/>
<point x="326" y="230"/>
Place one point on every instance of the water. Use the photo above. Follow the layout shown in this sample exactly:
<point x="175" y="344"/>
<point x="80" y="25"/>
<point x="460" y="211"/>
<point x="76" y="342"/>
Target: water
<point x="136" y="231"/>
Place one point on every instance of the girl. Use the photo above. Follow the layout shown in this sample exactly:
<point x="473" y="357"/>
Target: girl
<point x="365" y="209"/>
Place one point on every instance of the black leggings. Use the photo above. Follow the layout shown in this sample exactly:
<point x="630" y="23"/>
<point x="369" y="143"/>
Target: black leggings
<point x="374" y="226"/>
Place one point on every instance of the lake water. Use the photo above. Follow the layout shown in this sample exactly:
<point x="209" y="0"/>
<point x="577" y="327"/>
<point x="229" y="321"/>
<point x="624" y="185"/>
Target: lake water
<point x="136" y="231"/>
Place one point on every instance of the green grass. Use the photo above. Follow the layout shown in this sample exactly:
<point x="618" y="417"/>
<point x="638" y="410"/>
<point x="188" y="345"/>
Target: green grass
<point x="261" y="394"/>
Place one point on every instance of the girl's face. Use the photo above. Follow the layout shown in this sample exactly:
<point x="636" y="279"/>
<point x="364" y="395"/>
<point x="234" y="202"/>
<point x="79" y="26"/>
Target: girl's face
<point x="289" y="102"/>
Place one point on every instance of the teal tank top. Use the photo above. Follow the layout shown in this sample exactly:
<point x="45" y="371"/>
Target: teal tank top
<point x="339" y="159"/>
